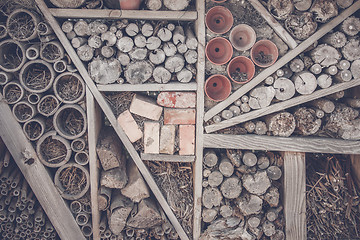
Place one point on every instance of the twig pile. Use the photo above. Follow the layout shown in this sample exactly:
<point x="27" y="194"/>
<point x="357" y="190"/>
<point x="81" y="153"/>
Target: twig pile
<point x="38" y="76"/>
<point x="74" y="122"/>
<point x="73" y="180"/>
<point x="53" y="150"/>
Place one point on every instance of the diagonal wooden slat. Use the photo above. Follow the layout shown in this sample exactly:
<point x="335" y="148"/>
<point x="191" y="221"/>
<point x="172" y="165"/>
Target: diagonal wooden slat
<point x="124" y="14"/>
<point x="37" y="175"/>
<point x="111" y="117"/>
<point x="147" y="87"/>
<point x="282" y="105"/>
<point x="270" y="143"/>
<point x="282" y="61"/>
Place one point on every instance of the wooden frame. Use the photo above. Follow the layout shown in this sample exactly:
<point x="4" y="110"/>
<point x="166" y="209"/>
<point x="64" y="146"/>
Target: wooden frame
<point x="37" y="175"/>
<point x="192" y="86"/>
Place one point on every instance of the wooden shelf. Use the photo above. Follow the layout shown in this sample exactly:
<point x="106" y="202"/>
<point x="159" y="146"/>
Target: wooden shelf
<point x="282" y="61"/>
<point x="124" y="14"/>
<point x="282" y="105"/>
<point x="166" y="158"/>
<point x="37" y="175"/>
<point x="294" y="144"/>
<point x="147" y="87"/>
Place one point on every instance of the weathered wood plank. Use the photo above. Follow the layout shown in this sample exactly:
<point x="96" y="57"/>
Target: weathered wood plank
<point x="355" y="163"/>
<point x="200" y="79"/>
<point x="124" y="14"/>
<point x="36" y="175"/>
<point x="282" y="105"/>
<point x="147" y="87"/>
<point x="94" y="126"/>
<point x="278" y="28"/>
<point x="166" y="158"/>
<point x="111" y="117"/>
<point x="282" y="61"/>
<point x="269" y="143"/>
<point x="295" y="195"/>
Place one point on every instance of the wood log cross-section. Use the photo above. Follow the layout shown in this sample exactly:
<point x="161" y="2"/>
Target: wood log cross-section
<point x="261" y="97"/>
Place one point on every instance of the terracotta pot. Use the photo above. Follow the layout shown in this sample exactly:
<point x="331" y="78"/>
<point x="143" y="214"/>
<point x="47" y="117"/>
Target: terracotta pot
<point x="264" y="53"/>
<point x="219" y="51"/>
<point x="219" y="20"/>
<point x="217" y="87"/>
<point x="242" y="37"/>
<point x="240" y="65"/>
<point x="130" y="4"/>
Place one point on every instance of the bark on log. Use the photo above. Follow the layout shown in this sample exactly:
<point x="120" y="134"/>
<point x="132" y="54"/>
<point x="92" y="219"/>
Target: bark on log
<point x="261" y="97"/>
<point x="175" y="5"/>
<point x="355" y="69"/>
<point x="164" y="34"/>
<point x="138" y="72"/>
<point x="260" y="128"/>
<point x="191" y="41"/>
<point x="125" y="44"/>
<point x="215" y="179"/>
<point x="70" y="35"/>
<point x="147" y="215"/>
<point x="281" y="124"/>
<point x="351" y="50"/>
<point x="178" y="35"/>
<point x="104" y="197"/>
<point x="231" y="188"/>
<point x="325" y="55"/>
<point x="284" y="89"/>
<point x="324" y="10"/>
<point x="210" y="158"/>
<point x="109" y="149"/>
<point x="351" y="26"/>
<point x="105" y="71"/>
<point x="324" y="104"/>
<point x="154" y="5"/>
<point x="250" y="204"/>
<point x="157" y="56"/>
<point x="170" y="49"/>
<point x="305" y="82"/>
<point x="226" y="167"/>
<point x="301" y="26"/>
<point x="137" y="54"/>
<point x="324" y="80"/>
<point x="335" y="39"/>
<point x="175" y="63"/>
<point x="297" y="65"/>
<point x="280" y="9"/>
<point x="211" y="197"/>
<point x="78" y="42"/>
<point x="114" y="178"/>
<point x="85" y="53"/>
<point x="161" y="75"/>
<point x="353" y="102"/>
<point x="343" y="76"/>
<point x="140" y="41"/>
<point x="132" y="29"/>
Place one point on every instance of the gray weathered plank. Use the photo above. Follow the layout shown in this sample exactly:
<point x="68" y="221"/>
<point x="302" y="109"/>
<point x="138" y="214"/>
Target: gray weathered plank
<point x="270" y="143"/>
<point x="282" y="61"/>
<point x="166" y="158"/>
<point x="147" y="87"/>
<point x="124" y="14"/>
<point x="111" y="117"/>
<point x="36" y="175"/>
<point x="295" y="195"/>
<point x="282" y="105"/>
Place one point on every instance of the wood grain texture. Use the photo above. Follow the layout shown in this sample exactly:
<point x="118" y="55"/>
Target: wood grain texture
<point x="278" y="28"/>
<point x="124" y="14"/>
<point x="147" y="87"/>
<point x="295" y="195"/>
<point x="355" y="163"/>
<point x="282" y="61"/>
<point x="270" y="143"/>
<point x="111" y="117"/>
<point x="282" y="105"/>
<point x="200" y="79"/>
<point x="94" y="126"/>
<point x="166" y="158"/>
<point x="37" y="176"/>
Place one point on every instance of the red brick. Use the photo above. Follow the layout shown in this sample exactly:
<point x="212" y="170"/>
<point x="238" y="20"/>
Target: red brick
<point x="179" y="116"/>
<point x="177" y="99"/>
<point x="167" y="139"/>
<point x="145" y="107"/>
<point x="129" y="125"/>
<point x="151" y="137"/>
<point x="187" y="139"/>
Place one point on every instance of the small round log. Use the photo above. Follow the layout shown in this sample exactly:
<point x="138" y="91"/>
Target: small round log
<point x="324" y="10"/>
<point x="316" y="68"/>
<point x="191" y="56"/>
<point x="210" y="158"/>
<point x="140" y="41"/>
<point x="305" y="82"/>
<point x="81" y="28"/>
<point x="123" y="58"/>
<point x="274" y="172"/>
<point x="96" y="70"/>
<point x="95" y="41"/>
<point x="109" y="38"/>
<point x="249" y="159"/>
<point x="261" y="97"/>
<point x="281" y="124"/>
<point x="226" y="211"/>
<point x="161" y="75"/>
<point x="184" y="76"/>
<point x="335" y="39"/>
<point x="231" y="188"/>
<point x="157" y="56"/>
<point x="307" y="122"/>
<point x="351" y="26"/>
<point x="178" y="35"/>
<point x="153" y="43"/>
<point x="215" y="179"/>
<point x="85" y="53"/>
<point x="182" y="48"/>
<point x="332" y="70"/>
<point x="138" y="54"/>
<point x="297" y="65"/>
<point x="351" y="50"/>
<point x="343" y="64"/>
<point x="268" y="228"/>
<point x="284" y="89"/>
<point x="325" y="55"/>
<point x="227" y="114"/>
<point x="226" y="167"/>
<point x="169" y="49"/>
<point x="301" y="26"/>
<point x="67" y="26"/>
<point x="324" y="80"/>
<point x="175" y="5"/>
<point x="164" y="34"/>
<point x="355" y="69"/>
<point x="343" y="76"/>
<point x="260" y="128"/>
<point x="209" y="215"/>
<point x="132" y="29"/>
<point x="153" y="5"/>
<point x="147" y="30"/>
<point x="249" y="126"/>
<point x="138" y="72"/>
<point x="263" y="162"/>
<point x="175" y="63"/>
<point x="125" y="44"/>
<point x="211" y="197"/>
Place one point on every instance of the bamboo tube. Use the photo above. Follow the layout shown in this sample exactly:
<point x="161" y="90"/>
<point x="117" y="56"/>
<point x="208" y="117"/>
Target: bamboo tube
<point x="81" y="158"/>
<point x="52" y="45"/>
<point x="48" y="105"/>
<point x="75" y="207"/>
<point x="9" y="89"/>
<point x="6" y="160"/>
<point x="20" y="13"/>
<point x="3" y="31"/>
<point x="8" y="48"/>
<point x="82" y="218"/>
<point x="5" y="78"/>
<point x="34" y="128"/>
<point x="65" y="79"/>
<point x="59" y="66"/>
<point x="78" y="145"/>
<point x="44" y="29"/>
<point x="33" y="52"/>
<point x="23" y="111"/>
<point x="34" y="98"/>
<point x="87" y="229"/>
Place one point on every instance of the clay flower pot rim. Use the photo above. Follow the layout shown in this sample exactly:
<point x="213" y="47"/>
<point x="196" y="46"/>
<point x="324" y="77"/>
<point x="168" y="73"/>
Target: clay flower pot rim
<point x="225" y="41"/>
<point x="250" y="71"/>
<point x="269" y="44"/>
<point x="226" y="91"/>
<point x="243" y="28"/>
<point x="225" y="13"/>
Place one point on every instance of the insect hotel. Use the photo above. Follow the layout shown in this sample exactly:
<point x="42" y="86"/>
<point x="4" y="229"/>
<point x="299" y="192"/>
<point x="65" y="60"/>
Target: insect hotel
<point x="192" y="119"/>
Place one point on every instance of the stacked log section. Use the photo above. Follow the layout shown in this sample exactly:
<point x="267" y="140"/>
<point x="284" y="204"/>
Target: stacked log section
<point x="241" y="185"/>
<point x="137" y="52"/>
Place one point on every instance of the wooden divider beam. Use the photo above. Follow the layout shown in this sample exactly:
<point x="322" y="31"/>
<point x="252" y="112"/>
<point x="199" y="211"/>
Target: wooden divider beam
<point x="282" y="105"/>
<point x="200" y="79"/>
<point x="282" y="61"/>
<point x="36" y="175"/>
<point x="355" y="163"/>
<point x="124" y="14"/>
<point x="111" y="117"/>
<point x="147" y="87"/>
<point x="167" y="158"/>
<point x="270" y="143"/>
<point x="94" y="126"/>
<point x="278" y="28"/>
<point x="295" y="195"/>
